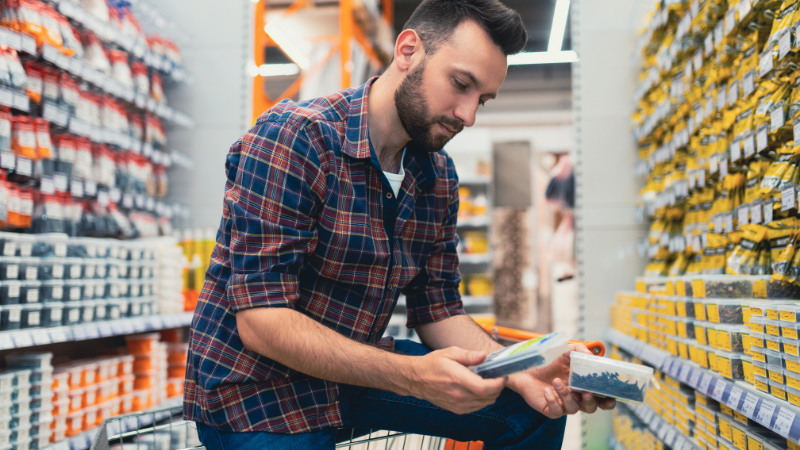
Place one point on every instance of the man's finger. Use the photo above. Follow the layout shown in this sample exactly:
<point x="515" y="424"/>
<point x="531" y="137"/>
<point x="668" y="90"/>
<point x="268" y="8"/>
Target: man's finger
<point x="580" y="347"/>
<point x="570" y="405"/>
<point x="588" y="403"/>
<point x="554" y="409"/>
<point x="608" y="404"/>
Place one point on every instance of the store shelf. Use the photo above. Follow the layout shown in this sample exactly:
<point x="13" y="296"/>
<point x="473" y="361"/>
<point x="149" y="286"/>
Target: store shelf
<point x="665" y="432"/>
<point x="84" y="440"/>
<point x="474" y="222"/>
<point x="44" y="336"/>
<point x="474" y="181"/>
<point x="477" y="300"/>
<point x="777" y="415"/>
<point x="479" y="258"/>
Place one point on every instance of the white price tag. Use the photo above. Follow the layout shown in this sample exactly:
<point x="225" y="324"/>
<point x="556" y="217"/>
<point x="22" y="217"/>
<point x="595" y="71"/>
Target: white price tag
<point x="755" y="211"/>
<point x="787" y="198"/>
<point x="102" y="198"/>
<point x="8" y="160"/>
<point x="90" y="188"/>
<point x="694" y="380"/>
<point x="734" y="397"/>
<point x="669" y="439"/>
<point x="723" y="168"/>
<point x="76" y="188"/>
<point x="722" y="98"/>
<point x="749" y="406"/>
<point x="749" y="146"/>
<point x="776" y="118"/>
<point x="23" y="340"/>
<point x="713" y="165"/>
<point x="705" y="383"/>
<point x="733" y="92"/>
<point x="47" y="186"/>
<point x="24" y="166"/>
<point x="784" y="44"/>
<point x="796" y="129"/>
<point x="748" y="82"/>
<point x="6" y="97"/>
<point x="744" y="215"/>
<point x="127" y="201"/>
<point x="708" y="44"/>
<point x="21" y="101"/>
<point x="765" y="412"/>
<point x="765" y="62"/>
<point x="698" y="60"/>
<point x="60" y="182"/>
<point x="768" y="208"/>
<point x="684" y="374"/>
<point x="736" y="151"/>
<point x="784" y="421"/>
<point x="744" y="9"/>
<point x="115" y="194"/>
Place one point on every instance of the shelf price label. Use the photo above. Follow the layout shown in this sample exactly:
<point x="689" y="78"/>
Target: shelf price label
<point x="765" y="412"/>
<point x="744" y="215"/>
<point x="784" y="421"/>
<point x="765" y="62"/>
<point x="776" y="119"/>
<point x="762" y="137"/>
<point x="784" y="43"/>
<point x="787" y="198"/>
<point x="705" y="383"/>
<point x="695" y="378"/>
<point x="749" y="406"/>
<point x="734" y="397"/>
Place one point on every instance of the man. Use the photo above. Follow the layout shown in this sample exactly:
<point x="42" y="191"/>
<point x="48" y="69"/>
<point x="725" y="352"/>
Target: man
<point x="335" y="206"/>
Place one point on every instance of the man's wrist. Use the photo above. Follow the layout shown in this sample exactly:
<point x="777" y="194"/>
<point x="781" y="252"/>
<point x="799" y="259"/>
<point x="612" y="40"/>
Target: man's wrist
<point x="405" y="379"/>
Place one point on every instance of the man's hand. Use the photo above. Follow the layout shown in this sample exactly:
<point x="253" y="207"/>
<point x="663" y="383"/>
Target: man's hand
<point x="546" y="390"/>
<point x="442" y="378"/>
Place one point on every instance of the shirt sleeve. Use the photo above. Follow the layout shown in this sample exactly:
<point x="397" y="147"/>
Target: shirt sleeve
<point x="272" y="197"/>
<point x="433" y="294"/>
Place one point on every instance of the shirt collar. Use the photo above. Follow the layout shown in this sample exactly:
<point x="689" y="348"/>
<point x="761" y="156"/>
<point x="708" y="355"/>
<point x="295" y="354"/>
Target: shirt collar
<point x="357" y="143"/>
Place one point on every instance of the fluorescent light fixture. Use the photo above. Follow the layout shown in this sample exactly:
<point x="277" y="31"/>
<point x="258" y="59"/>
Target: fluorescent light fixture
<point x="566" y="56"/>
<point x="559" y="26"/>
<point x="278" y="70"/>
<point x="287" y="46"/>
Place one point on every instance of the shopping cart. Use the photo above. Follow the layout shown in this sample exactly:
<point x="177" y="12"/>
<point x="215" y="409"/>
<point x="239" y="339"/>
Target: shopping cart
<point x="164" y="429"/>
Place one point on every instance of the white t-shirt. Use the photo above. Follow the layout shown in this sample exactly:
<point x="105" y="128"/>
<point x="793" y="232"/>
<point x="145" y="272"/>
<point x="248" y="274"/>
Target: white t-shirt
<point x="396" y="179"/>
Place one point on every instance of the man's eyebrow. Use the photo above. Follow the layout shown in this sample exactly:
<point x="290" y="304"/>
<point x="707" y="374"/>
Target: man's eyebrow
<point x="475" y="81"/>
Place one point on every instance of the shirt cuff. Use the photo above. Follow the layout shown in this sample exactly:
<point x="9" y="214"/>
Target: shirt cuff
<point x="257" y="290"/>
<point x="433" y="306"/>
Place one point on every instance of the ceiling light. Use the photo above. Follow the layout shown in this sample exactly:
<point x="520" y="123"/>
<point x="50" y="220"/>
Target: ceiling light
<point x="278" y="70"/>
<point x="287" y="46"/>
<point x="559" y="26"/>
<point x="566" y="56"/>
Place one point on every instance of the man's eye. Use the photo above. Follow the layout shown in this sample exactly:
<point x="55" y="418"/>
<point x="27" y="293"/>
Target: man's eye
<point x="459" y="84"/>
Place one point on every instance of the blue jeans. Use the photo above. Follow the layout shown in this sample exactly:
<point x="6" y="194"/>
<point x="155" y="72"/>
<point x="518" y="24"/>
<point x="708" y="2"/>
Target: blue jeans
<point x="508" y="424"/>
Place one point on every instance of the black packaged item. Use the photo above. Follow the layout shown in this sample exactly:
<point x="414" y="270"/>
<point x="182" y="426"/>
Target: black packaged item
<point x="102" y="269"/>
<point x="29" y="268"/>
<point x="9" y="243"/>
<point x="89" y="269"/>
<point x="115" y="269"/>
<point x="52" y="314"/>
<point x="73" y="268"/>
<point x="100" y="291"/>
<point x="18" y="408"/>
<point x="52" y="291"/>
<point x="72" y="314"/>
<point x="25" y="245"/>
<point x="77" y="249"/>
<point x="88" y="289"/>
<point x="51" y="268"/>
<point x="135" y="308"/>
<point x="10" y="317"/>
<point x="51" y="244"/>
<point x="21" y="421"/>
<point x="114" y="309"/>
<point x="9" y="292"/>
<point x="73" y="290"/>
<point x="87" y="311"/>
<point x="31" y="316"/>
<point x="135" y="289"/>
<point x="124" y="306"/>
<point x="100" y="310"/>
<point x="29" y="291"/>
<point x="9" y="268"/>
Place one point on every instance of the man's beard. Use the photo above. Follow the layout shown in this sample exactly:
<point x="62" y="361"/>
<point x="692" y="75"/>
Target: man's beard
<point x="412" y="109"/>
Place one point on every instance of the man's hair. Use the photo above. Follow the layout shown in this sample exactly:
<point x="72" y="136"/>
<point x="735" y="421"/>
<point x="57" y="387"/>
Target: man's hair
<point x="436" y="20"/>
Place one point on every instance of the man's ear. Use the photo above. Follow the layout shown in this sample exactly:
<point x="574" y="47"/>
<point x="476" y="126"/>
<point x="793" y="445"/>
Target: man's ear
<point x="408" y="44"/>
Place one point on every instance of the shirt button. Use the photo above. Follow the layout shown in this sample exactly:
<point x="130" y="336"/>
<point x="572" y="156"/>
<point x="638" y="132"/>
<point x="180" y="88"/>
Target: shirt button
<point x="389" y="195"/>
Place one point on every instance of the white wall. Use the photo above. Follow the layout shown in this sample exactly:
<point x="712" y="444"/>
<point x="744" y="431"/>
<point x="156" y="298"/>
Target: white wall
<point x="219" y="100"/>
<point x="603" y="35"/>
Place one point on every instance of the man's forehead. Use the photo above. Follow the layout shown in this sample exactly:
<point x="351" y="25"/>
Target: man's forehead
<point x="471" y="51"/>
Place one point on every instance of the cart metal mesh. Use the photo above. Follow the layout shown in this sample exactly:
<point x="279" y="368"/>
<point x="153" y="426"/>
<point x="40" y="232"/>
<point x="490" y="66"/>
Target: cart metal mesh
<point x="164" y="429"/>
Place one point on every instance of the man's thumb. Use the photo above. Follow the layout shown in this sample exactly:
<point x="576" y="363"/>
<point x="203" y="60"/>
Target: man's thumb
<point x="466" y="357"/>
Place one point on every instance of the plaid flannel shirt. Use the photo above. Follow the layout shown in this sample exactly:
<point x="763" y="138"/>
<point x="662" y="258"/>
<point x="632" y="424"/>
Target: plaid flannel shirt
<point x="302" y="228"/>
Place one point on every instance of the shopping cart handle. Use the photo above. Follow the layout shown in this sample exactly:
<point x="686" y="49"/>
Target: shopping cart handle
<point x="510" y="334"/>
